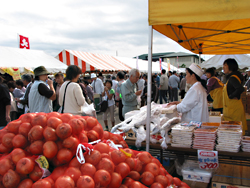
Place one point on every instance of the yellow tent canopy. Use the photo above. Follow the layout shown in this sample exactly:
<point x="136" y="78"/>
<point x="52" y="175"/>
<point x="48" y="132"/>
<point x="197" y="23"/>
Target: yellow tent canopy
<point x="204" y="26"/>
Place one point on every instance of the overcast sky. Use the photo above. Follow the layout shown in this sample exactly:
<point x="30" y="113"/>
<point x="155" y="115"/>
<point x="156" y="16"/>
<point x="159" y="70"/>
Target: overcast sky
<point x="98" y="26"/>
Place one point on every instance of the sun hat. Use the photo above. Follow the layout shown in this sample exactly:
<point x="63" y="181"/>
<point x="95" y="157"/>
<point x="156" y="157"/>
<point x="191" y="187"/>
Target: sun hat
<point x="196" y="69"/>
<point x="93" y="75"/>
<point x="41" y="70"/>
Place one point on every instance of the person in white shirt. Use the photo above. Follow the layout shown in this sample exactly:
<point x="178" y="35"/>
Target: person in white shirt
<point x="114" y="82"/>
<point x="97" y="84"/>
<point x="194" y="105"/>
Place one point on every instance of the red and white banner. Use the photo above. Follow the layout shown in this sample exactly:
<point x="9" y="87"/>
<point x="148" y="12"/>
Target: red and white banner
<point x="24" y="42"/>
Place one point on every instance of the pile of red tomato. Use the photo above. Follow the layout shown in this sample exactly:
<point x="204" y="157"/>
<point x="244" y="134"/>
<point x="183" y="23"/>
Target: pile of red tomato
<point x="57" y="136"/>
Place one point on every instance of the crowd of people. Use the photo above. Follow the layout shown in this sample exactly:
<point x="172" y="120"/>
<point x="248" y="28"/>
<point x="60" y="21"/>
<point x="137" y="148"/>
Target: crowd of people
<point x="125" y="91"/>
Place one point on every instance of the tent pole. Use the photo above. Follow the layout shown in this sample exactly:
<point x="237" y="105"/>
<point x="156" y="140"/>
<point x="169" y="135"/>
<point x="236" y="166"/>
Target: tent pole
<point x="149" y="85"/>
<point x="199" y="59"/>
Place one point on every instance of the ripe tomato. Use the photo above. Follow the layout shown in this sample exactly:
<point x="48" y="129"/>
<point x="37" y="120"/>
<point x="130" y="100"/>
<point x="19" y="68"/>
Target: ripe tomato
<point x="53" y="122"/>
<point x="36" y="174"/>
<point x="77" y="126"/>
<point x="114" y="138"/>
<point x="88" y="169"/>
<point x="71" y="143"/>
<point x="105" y="155"/>
<point x="57" y="172"/>
<point x="163" y="171"/>
<point x="19" y="141"/>
<point x="91" y="122"/>
<point x="64" y="181"/>
<point x="138" y="165"/>
<point x="130" y="151"/>
<point x="64" y="156"/>
<point x="42" y="184"/>
<point x="64" y="130"/>
<point x="153" y="168"/>
<point x="4" y="149"/>
<point x="128" y="181"/>
<point x="74" y="163"/>
<point x="124" y="144"/>
<point x="136" y="184"/>
<point x="11" y="179"/>
<point x="66" y="117"/>
<point x="36" y="133"/>
<point x="106" y="164"/>
<point x="145" y="157"/>
<point x="131" y="163"/>
<point x="93" y="158"/>
<point x="50" y="149"/>
<point x="39" y="119"/>
<point x="116" y="180"/>
<point x="85" y="182"/>
<point x="74" y="173"/>
<point x="27" y="183"/>
<point x="53" y="114"/>
<point x="184" y="185"/>
<point x="98" y="128"/>
<point x="50" y="134"/>
<point x="92" y="135"/>
<point x="122" y="169"/>
<point x="134" y="175"/>
<point x="25" y="166"/>
<point x="7" y="140"/>
<point x="123" y="186"/>
<point x="156" y="185"/>
<point x="117" y="156"/>
<point x="83" y="122"/>
<point x="27" y="118"/>
<point x="106" y="135"/>
<point x="147" y="178"/>
<point x="177" y="181"/>
<point x="2" y="133"/>
<point x="83" y="138"/>
<point x="162" y="180"/>
<point x="24" y="129"/>
<point x="102" y="178"/>
<point x="17" y="154"/>
<point x="5" y="165"/>
<point x="102" y="147"/>
<point x="13" y="126"/>
<point x="156" y="161"/>
<point x="170" y="179"/>
<point x="36" y="148"/>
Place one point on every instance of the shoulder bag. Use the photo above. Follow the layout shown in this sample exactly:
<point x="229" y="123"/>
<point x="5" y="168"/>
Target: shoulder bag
<point x="61" y="110"/>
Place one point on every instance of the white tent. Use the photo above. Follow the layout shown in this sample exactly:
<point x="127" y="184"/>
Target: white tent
<point x="217" y="61"/>
<point x="143" y="64"/>
<point x="29" y="59"/>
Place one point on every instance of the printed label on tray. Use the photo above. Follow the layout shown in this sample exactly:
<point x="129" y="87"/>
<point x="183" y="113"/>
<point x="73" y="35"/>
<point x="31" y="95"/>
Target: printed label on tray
<point x="208" y="159"/>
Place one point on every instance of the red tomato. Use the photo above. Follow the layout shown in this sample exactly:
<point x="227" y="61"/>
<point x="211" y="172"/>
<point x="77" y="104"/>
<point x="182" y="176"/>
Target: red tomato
<point x="156" y="161"/>
<point x="17" y="154"/>
<point x="134" y="175"/>
<point x="50" y="149"/>
<point x="74" y="163"/>
<point x="105" y="155"/>
<point x="5" y="165"/>
<point x="71" y="143"/>
<point x="93" y="158"/>
<point x="128" y="181"/>
<point x="77" y="126"/>
<point x="85" y="182"/>
<point x="36" y="148"/>
<point x="11" y="179"/>
<point x="83" y="122"/>
<point x="98" y="128"/>
<point x="19" y="141"/>
<point x="66" y="117"/>
<point x="42" y="184"/>
<point x="88" y="169"/>
<point x="64" y="156"/>
<point x="114" y="138"/>
<point x="117" y="157"/>
<point x="145" y="157"/>
<point x="116" y="180"/>
<point x="27" y="118"/>
<point x="36" y="174"/>
<point x="153" y="168"/>
<point x="7" y="140"/>
<point x="170" y="179"/>
<point x="4" y="149"/>
<point x="184" y="185"/>
<point x="123" y="186"/>
<point x="162" y="171"/>
<point x="156" y="185"/>
<point x="106" y="164"/>
<point x="54" y="114"/>
<point x="36" y="133"/>
<point x="24" y="129"/>
<point x="124" y="144"/>
<point x="50" y="134"/>
<point x="91" y="122"/>
<point x="102" y="147"/>
<point x="64" y="181"/>
<point x="136" y="184"/>
<point x="162" y="180"/>
<point x="138" y="165"/>
<point x="177" y="181"/>
<point x="74" y="173"/>
<point x="27" y="183"/>
<point x="122" y="169"/>
<point x="83" y="138"/>
<point x="57" y="172"/>
<point x="147" y="178"/>
<point x="92" y="135"/>
<point x="13" y="126"/>
<point x="2" y="133"/>
<point x="130" y="151"/>
<point x="102" y="178"/>
<point x="25" y="166"/>
<point x="64" y="130"/>
<point x="106" y="135"/>
<point x="131" y="163"/>
<point x="53" y="122"/>
<point x="39" y="119"/>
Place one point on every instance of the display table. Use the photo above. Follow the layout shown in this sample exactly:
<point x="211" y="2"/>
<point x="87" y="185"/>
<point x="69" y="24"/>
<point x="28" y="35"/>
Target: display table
<point x="240" y="158"/>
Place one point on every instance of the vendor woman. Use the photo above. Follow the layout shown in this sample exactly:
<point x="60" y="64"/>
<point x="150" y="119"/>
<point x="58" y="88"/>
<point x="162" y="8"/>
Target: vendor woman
<point x="233" y="109"/>
<point x="194" y="105"/>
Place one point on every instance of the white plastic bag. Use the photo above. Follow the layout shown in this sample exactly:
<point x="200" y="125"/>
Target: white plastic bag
<point x="88" y="109"/>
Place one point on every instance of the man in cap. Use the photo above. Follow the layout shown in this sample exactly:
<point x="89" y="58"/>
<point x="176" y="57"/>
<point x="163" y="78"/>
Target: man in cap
<point x="42" y="92"/>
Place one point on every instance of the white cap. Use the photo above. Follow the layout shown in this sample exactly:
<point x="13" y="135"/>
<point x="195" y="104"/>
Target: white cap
<point x="93" y="75"/>
<point x="196" y="69"/>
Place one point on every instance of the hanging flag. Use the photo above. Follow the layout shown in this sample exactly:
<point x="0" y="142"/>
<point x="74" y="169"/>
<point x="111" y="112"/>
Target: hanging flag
<point x="24" y="42"/>
<point x="137" y="63"/>
<point x="160" y="64"/>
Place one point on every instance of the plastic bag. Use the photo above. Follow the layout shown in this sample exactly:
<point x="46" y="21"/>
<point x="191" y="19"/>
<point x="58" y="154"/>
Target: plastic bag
<point x="88" y="109"/>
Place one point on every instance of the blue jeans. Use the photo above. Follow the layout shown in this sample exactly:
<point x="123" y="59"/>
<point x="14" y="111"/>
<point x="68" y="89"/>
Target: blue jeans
<point x="163" y="95"/>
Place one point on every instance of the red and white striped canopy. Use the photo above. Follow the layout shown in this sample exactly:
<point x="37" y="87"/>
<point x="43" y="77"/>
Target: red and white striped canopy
<point x="90" y="62"/>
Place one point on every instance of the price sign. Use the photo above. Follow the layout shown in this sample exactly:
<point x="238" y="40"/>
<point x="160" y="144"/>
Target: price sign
<point x="208" y="159"/>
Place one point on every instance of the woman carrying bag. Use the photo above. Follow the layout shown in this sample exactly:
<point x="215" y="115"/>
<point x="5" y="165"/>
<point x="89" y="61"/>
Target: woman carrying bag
<point x="70" y="95"/>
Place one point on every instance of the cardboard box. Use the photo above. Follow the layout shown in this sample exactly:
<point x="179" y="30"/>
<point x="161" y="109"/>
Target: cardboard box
<point x="224" y="185"/>
<point x="131" y="135"/>
<point x="195" y="184"/>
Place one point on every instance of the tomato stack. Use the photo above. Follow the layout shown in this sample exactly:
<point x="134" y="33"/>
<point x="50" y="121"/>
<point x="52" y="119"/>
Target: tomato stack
<point x="57" y="136"/>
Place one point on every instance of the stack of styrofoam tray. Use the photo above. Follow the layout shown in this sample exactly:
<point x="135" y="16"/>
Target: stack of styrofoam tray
<point x="182" y="136"/>
<point x="229" y="138"/>
<point x="245" y="144"/>
<point x="204" y="138"/>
